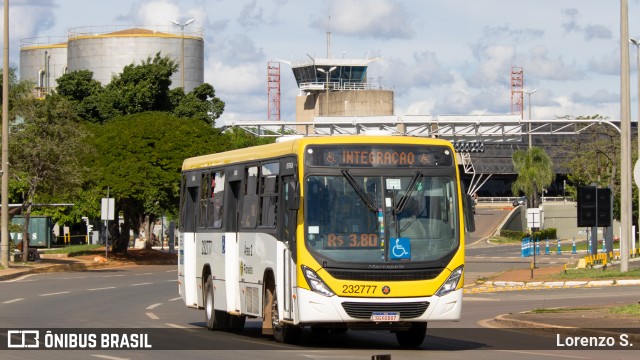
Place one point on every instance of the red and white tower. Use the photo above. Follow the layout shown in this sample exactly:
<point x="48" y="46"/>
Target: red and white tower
<point x="517" y="86"/>
<point x="273" y="90"/>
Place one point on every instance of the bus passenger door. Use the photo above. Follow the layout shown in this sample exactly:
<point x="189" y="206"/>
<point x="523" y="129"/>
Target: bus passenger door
<point x="231" y="248"/>
<point x="187" y="244"/>
<point x="288" y="236"/>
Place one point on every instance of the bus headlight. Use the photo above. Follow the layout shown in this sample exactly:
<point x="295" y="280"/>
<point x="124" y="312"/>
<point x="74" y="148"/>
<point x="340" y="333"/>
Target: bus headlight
<point x="315" y="282"/>
<point x="451" y="283"/>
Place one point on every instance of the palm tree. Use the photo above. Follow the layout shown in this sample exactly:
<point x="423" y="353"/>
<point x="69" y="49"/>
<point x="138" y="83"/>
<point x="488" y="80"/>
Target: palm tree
<point x="535" y="172"/>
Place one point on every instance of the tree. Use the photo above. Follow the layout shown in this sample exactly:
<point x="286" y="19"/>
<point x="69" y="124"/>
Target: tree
<point x="84" y="92"/>
<point x="139" y="157"/>
<point x="535" y="172"/>
<point x="139" y="88"/>
<point x="44" y="147"/>
<point x="595" y="159"/>
<point x="201" y="103"/>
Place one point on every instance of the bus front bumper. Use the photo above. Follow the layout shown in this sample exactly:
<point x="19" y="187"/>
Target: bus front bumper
<point x="315" y="308"/>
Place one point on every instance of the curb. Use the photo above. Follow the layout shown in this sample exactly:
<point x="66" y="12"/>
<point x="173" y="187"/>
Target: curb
<point x="495" y="286"/>
<point x="503" y="321"/>
<point x="78" y="266"/>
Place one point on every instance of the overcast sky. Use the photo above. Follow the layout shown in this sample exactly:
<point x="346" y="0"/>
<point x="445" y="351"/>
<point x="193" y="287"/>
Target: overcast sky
<point x="440" y="57"/>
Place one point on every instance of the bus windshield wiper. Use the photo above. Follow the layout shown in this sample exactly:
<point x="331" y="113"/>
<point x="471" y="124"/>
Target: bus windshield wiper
<point x="359" y="191"/>
<point x="403" y="200"/>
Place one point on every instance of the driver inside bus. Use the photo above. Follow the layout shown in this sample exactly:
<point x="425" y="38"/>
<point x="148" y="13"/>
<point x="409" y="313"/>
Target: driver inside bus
<point x="411" y="224"/>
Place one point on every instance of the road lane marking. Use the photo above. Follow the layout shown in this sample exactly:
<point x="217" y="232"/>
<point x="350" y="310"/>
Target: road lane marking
<point x="176" y="326"/>
<point x="55" y="293"/>
<point x="172" y="280"/>
<point x="153" y="306"/>
<point x="104" y="288"/>
<point x="20" y="278"/>
<point x="469" y="298"/>
<point x="175" y="299"/>
<point x="108" y="357"/>
<point x="12" y="301"/>
<point x="544" y="354"/>
<point x="109" y="276"/>
<point x="171" y="270"/>
<point x="152" y="316"/>
<point x="144" y="274"/>
<point x="140" y="284"/>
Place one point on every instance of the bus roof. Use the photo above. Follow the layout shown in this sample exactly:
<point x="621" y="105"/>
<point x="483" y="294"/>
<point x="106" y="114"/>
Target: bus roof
<point x="295" y="146"/>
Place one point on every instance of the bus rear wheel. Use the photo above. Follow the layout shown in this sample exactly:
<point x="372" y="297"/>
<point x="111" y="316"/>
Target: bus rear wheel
<point x="215" y="318"/>
<point x="413" y="337"/>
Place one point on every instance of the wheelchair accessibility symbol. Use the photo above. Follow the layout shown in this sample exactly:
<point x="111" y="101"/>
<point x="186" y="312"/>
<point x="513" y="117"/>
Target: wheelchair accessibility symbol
<point x="401" y="249"/>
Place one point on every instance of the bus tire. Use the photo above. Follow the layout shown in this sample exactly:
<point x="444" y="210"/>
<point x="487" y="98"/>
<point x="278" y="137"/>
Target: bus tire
<point x="413" y="337"/>
<point x="284" y="333"/>
<point x="215" y="318"/>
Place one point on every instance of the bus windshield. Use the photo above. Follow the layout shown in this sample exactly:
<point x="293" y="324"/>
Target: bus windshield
<point x="381" y="219"/>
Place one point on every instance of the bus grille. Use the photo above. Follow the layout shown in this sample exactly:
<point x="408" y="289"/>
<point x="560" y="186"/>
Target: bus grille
<point x="384" y="275"/>
<point x="360" y="310"/>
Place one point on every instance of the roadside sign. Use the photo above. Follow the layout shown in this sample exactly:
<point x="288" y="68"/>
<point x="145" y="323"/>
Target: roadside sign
<point x="636" y="173"/>
<point x="107" y="211"/>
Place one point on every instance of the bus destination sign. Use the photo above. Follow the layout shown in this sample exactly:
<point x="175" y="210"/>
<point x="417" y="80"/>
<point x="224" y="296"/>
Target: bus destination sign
<point x="379" y="156"/>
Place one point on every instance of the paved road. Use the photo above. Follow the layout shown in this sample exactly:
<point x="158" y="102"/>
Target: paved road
<point x="145" y="297"/>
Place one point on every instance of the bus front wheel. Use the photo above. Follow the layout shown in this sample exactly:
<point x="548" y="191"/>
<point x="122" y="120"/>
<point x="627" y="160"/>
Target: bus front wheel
<point x="215" y="318"/>
<point x="284" y="333"/>
<point x="413" y="337"/>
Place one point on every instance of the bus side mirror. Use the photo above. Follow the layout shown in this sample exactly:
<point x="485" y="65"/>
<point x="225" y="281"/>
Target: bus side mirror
<point x="293" y="196"/>
<point x="469" y="220"/>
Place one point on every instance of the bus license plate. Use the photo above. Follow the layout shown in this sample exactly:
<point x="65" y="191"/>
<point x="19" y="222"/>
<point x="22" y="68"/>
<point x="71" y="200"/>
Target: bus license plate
<point x="385" y="316"/>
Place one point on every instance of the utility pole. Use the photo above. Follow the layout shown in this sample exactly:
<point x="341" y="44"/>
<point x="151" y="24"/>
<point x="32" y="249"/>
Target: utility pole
<point x="4" y="228"/>
<point x="625" y="139"/>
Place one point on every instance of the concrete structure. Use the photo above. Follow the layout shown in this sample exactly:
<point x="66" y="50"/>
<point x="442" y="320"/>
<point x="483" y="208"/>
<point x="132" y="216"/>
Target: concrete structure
<point x="338" y="87"/>
<point x="107" y="50"/>
<point x="561" y="215"/>
<point x="42" y="61"/>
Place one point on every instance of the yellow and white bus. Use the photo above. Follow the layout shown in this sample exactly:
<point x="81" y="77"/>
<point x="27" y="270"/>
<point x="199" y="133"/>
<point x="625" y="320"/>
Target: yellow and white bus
<point x="331" y="233"/>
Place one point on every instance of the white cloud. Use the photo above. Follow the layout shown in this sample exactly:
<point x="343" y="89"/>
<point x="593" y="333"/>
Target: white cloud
<point x="383" y="19"/>
<point x="540" y="66"/>
<point x="241" y="78"/>
<point x="28" y="19"/>
<point x="237" y="48"/>
<point x="607" y="64"/>
<point x="494" y="66"/>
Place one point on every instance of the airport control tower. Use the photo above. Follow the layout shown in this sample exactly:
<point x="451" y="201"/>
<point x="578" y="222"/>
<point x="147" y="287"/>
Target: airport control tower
<point x="338" y="87"/>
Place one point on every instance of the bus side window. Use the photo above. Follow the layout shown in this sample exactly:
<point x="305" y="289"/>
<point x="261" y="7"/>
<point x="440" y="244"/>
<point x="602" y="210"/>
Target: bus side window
<point x="189" y="202"/>
<point x="205" y="194"/>
<point x="216" y="206"/>
<point x="269" y="199"/>
<point x="251" y="200"/>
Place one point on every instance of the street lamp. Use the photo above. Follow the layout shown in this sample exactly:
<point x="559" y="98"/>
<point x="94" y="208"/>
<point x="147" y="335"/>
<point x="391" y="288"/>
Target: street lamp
<point x="637" y="44"/>
<point x="327" y="87"/>
<point x="529" y="127"/>
<point x="182" y="45"/>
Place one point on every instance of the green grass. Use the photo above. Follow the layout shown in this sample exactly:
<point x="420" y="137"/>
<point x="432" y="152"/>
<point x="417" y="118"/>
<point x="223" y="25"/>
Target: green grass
<point x="504" y="240"/>
<point x="595" y="274"/>
<point x="76" y="250"/>
<point x="633" y="310"/>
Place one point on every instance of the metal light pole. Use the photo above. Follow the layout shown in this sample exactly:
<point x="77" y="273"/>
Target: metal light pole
<point x="625" y="139"/>
<point x="4" y="228"/>
<point x="637" y="44"/>
<point x="327" y="87"/>
<point x="529" y="126"/>
<point x="182" y="46"/>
